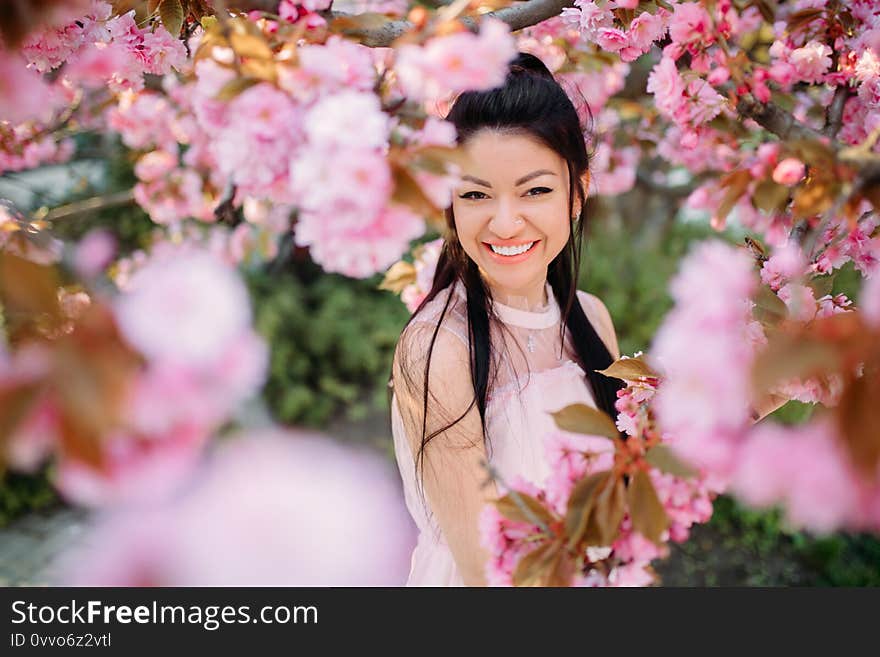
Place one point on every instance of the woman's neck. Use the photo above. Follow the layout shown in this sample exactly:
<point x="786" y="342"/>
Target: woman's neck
<point x="531" y="297"/>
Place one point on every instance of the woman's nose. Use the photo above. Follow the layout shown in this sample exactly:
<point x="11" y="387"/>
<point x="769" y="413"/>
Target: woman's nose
<point x="506" y="222"/>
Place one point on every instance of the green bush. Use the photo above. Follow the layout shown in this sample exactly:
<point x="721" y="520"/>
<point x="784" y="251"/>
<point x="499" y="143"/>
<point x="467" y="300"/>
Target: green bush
<point x="21" y="493"/>
<point x="631" y="276"/>
<point x="332" y="339"/>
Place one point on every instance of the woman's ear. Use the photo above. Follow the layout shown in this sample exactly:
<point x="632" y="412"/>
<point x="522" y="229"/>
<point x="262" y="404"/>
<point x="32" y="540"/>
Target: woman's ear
<point x="585" y="184"/>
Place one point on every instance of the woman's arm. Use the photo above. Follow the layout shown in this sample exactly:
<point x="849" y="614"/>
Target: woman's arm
<point x="453" y="475"/>
<point x="600" y="318"/>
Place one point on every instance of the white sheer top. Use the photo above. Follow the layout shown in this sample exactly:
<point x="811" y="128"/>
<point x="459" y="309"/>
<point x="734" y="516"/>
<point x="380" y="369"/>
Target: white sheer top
<point x="532" y="373"/>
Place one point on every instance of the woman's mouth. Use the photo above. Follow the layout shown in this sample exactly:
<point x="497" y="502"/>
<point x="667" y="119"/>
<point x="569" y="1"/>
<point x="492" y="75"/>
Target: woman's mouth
<point x="510" y="254"/>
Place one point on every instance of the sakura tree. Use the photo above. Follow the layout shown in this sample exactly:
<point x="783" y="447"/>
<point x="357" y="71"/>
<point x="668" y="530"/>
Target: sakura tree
<point x="253" y="122"/>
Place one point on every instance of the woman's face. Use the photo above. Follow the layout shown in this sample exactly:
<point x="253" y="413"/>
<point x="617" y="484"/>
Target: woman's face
<point x="511" y="210"/>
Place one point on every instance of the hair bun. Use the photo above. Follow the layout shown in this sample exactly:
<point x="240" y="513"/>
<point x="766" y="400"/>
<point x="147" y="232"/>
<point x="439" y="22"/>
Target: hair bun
<point x="527" y="63"/>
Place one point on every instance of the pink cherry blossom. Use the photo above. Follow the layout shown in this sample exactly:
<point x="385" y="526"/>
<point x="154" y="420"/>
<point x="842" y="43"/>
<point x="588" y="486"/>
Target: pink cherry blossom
<point x="349" y="118"/>
<point x="187" y="309"/>
<point x="666" y="85"/>
<point x="94" y="252"/>
<point x="811" y="62"/>
<point x="786" y="264"/>
<point x="789" y="172"/>
<point x="645" y="29"/>
<point x="291" y="509"/>
<point x="358" y="245"/>
<point x="691" y="26"/>
<point x="456" y="62"/>
<point x="611" y="39"/>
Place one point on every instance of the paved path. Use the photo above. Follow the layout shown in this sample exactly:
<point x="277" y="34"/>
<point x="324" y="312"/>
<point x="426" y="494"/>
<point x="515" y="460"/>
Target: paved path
<point x="30" y="545"/>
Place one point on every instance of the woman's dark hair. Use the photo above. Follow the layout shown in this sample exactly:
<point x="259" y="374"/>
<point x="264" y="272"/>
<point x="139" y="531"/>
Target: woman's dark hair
<point x="530" y="102"/>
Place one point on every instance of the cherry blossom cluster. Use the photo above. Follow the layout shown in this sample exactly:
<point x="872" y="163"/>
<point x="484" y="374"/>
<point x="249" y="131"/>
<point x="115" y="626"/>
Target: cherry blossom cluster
<point x="175" y="359"/>
<point x="707" y="393"/>
<point x="265" y="508"/>
<point x="685" y="500"/>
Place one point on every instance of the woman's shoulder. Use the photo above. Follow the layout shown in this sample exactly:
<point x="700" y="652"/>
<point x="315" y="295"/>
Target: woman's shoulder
<point x="444" y="316"/>
<point x="598" y="315"/>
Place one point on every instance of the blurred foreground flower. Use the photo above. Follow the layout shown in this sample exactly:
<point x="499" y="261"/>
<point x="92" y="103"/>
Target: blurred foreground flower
<point x="273" y="509"/>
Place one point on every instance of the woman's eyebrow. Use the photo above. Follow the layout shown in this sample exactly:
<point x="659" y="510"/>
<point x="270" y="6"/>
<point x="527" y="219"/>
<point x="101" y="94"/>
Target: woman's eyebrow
<point x="526" y="178"/>
<point x="533" y="174"/>
<point x="477" y="181"/>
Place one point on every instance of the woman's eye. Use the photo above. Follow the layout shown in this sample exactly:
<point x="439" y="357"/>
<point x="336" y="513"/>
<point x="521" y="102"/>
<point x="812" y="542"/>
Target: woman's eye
<point x="535" y="191"/>
<point x="472" y="195"/>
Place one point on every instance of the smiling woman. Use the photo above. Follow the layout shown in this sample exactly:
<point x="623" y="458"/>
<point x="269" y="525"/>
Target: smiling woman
<point x="503" y="338"/>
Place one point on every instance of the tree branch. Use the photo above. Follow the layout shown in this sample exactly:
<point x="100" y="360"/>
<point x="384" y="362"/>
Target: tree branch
<point x="517" y="17"/>
<point x="89" y="205"/>
<point x="775" y="119"/>
<point x="834" y="115"/>
<point x="525" y="14"/>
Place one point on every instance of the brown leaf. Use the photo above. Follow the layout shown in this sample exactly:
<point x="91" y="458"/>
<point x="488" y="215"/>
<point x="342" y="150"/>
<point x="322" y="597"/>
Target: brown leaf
<point x="561" y="570"/>
<point x="91" y="376"/>
<point x="235" y="87"/>
<point x="819" y="156"/>
<point x="664" y="459"/>
<point x="608" y="512"/>
<point x="510" y="507"/>
<point x="770" y="196"/>
<point x="858" y="419"/>
<point x="647" y="513"/>
<point x="815" y="196"/>
<point x="550" y="564"/>
<point x="787" y="357"/>
<point x="736" y="183"/>
<point x="765" y="9"/>
<point x="629" y="369"/>
<point x="530" y="571"/>
<point x="248" y="44"/>
<point x="28" y="293"/>
<point x="261" y="69"/>
<point x="15" y="403"/>
<point x="437" y="159"/>
<point x="172" y="15"/>
<point x="400" y="275"/>
<point x="581" y="418"/>
<point x="800" y="19"/>
<point x="872" y="193"/>
<point x="580" y="505"/>
<point x="408" y="192"/>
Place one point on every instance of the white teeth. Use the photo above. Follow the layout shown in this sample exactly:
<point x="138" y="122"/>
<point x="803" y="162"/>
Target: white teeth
<point x="511" y="250"/>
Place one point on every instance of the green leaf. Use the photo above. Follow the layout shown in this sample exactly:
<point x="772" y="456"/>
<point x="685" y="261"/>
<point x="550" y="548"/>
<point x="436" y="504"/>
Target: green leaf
<point x="822" y="285"/>
<point x="581" y="418"/>
<point x="769" y="308"/>
<point x="648" y="515"/>
<point x="665" y="460"/>
<point x="172" y="15"/>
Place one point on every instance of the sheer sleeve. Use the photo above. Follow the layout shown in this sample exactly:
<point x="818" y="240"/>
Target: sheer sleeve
<point x="455" y="484"/>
